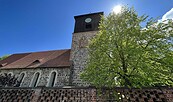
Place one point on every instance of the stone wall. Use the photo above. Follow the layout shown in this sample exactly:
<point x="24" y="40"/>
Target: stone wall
<point x="79" y="54"/>
<point x="86" y="94"/>
<point x="62" y="75"/>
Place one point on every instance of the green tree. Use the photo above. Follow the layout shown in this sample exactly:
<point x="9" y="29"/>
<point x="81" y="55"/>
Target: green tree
<point x="3" y="57"/>
<point x="124" y="53"/>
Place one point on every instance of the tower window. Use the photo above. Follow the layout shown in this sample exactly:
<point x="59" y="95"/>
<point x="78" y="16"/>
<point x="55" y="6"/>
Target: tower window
<point x="88" y="26"/>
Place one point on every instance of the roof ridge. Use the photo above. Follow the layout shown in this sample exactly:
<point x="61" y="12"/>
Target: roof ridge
<point x="38" y="51"/>
<point x="51" y="50"/>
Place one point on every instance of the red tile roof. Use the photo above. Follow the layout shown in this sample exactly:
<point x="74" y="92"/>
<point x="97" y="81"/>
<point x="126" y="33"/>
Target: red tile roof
<point x="13" y="58"/>
<point x="56" y="58"/>
<point x="59" y="61"/>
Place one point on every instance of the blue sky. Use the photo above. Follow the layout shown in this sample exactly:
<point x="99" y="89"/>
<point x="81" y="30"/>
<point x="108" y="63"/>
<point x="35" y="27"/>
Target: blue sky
<point x="41" y="25"/>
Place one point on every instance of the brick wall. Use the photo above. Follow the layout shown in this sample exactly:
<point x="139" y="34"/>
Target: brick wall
<point x="86" y="94"/>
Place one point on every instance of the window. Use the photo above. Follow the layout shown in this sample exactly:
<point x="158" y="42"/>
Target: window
<point x="21" y="77"/>
<point x="10" y="73"/>
<point x="88" y="26"/>
<point x="34" y="63"/>
<point x="52" y="79"/>
<point x="35" y="80"/>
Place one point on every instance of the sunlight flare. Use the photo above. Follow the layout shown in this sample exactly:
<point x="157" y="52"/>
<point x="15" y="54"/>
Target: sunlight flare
<point x="117" y="9"/>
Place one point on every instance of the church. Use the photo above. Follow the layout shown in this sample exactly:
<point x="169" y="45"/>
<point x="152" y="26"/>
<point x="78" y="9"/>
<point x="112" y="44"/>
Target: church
<point x="58" y="68"/>
<point x="54" y="76"/>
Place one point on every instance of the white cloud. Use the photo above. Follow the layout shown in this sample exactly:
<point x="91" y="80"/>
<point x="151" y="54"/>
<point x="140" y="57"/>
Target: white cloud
<point x="168" y="15"/>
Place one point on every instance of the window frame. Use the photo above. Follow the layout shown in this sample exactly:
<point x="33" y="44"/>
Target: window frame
<point x="35" y="80"/>
<point x="21" y="79"/>
<point x="50" y="78"/>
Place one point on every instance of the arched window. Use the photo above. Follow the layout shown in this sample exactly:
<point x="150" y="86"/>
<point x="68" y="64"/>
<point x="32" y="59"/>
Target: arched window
<point x="52" y="79"/>
<point x="10" y="73"/>
<point x="35" y="80"/>
<point x="21" y="77"/>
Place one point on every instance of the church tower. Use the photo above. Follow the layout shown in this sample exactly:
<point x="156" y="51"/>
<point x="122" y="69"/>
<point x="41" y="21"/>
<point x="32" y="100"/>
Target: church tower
<point x="86" y="27"/>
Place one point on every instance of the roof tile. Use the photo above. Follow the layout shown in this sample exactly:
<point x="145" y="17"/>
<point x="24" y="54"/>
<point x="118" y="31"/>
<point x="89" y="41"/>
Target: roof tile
<point x="59" y="61"/>
<point x="12" y="58"/>
<point x="56" y="58"/>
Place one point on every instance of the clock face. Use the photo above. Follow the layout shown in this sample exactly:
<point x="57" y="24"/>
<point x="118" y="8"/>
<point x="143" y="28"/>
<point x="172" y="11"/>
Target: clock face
<point x="88" y="20"/>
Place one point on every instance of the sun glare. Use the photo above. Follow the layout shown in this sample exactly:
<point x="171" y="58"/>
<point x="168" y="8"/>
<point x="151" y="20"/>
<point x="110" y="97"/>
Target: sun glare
<point x="117" y="9"/>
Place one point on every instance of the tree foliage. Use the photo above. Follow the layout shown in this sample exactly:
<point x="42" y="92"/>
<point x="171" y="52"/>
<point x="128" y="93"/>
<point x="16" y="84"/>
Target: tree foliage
<point x="3" y="57"/>
<point x="124" y="53"/>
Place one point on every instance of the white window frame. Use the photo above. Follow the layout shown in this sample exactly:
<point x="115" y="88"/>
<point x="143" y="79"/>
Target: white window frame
<point x="31" y="83"/>
<point x="22" y="78"/>
<point x="48" y="84"/>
